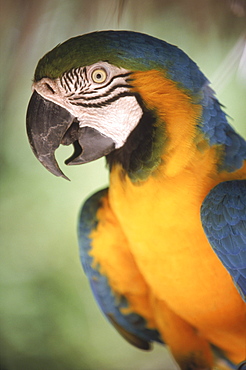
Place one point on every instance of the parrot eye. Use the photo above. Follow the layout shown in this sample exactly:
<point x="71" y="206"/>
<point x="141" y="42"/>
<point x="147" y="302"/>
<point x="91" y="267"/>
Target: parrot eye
<point x="99" y="75"/>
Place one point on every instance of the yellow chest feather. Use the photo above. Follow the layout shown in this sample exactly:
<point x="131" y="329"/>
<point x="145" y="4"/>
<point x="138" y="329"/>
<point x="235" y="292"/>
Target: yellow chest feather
<point x="161" y="222"/>
<point x="151" y="246"/>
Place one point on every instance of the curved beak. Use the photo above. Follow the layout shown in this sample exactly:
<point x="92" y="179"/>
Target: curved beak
<point x="49" y="125"/>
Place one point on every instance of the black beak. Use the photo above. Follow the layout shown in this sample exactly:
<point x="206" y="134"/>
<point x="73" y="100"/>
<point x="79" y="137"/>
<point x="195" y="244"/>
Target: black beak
<point x="49" y="125"/>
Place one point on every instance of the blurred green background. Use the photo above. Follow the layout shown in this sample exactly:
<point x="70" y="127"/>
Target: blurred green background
<point x="49" y="320"/>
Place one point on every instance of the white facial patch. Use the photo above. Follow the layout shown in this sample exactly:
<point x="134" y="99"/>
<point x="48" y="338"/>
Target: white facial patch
<point x="116" y="120"/>
<point x="99" y="96"/>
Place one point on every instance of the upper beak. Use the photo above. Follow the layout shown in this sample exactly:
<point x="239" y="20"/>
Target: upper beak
<point x="49" y="125"/>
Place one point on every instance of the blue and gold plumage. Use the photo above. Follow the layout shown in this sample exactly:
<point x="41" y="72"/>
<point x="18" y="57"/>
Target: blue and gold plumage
<point x="164" y="247"/>
<point x="132" y="326"/>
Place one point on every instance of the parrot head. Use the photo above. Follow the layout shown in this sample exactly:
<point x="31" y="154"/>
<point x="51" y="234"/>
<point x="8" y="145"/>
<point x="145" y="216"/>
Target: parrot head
<point x="84" y="93"/>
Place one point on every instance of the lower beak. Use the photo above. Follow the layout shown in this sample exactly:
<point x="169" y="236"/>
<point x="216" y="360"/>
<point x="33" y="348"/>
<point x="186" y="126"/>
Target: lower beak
<point x="49" y="125"/>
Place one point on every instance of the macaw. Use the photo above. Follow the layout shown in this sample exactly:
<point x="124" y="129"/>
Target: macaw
<point x="164" y="246"/>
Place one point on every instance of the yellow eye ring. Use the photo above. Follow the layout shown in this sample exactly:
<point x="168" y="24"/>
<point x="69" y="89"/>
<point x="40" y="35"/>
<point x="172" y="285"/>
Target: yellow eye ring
<point x="99" y="75"/>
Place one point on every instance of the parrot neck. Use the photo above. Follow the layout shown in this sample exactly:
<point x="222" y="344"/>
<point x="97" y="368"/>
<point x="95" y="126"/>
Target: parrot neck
<point x="167" y="133"/>
<point x="141" y="154"/>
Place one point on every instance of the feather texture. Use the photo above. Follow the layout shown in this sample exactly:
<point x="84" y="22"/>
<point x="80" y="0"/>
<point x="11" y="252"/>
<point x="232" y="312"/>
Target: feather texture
<point x="130" y="325"/>
<point x="158" y="270"/>
<point x="223" y="215"/>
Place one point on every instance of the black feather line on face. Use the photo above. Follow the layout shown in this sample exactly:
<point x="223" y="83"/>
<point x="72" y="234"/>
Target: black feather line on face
<point x="104" y="103"/>
<point x="107" y="93"/>
<point x="76" y="84"/>
<point x="65" y="85"/>
<point x="69" y="76"/>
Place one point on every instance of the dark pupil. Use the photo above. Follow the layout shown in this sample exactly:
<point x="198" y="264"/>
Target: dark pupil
<point x="99" y="76"/>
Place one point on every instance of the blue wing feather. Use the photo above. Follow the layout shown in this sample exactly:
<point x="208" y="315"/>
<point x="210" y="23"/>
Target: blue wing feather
<point x="223" y="216"/>
<point x="217" y="130"/>
<point x="131" y="326"/>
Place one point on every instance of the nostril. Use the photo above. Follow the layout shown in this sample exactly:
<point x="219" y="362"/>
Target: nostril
<point x="49" y="88"/>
